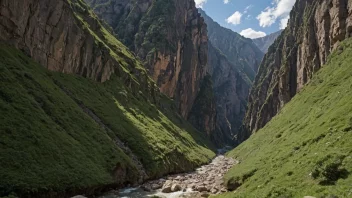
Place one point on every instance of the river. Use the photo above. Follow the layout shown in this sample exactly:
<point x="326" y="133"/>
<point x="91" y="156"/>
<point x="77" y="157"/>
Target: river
<point x="206" y="180"/>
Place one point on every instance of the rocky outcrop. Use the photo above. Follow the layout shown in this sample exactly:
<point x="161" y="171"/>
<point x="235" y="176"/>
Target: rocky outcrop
<point x="231" y="88"/>
<point x="169" y="36"/>
<point x="264" y="43"/>
<point x="315" y="28"/>
<point x="202" y="115"/>
<point x="240" y="51"/>
<point x="231" y="83"/>
<point x="62" y="36"/>
<point x="67" y="37"/>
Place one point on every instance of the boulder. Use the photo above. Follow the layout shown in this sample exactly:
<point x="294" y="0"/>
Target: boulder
<point x="201" y="188"/>
<point x="175" y="187"/>
<point x="167" y="187"/>
<point x="155" y="186"/>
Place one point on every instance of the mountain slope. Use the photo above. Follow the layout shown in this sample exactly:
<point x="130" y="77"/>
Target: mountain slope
<point x="231" y="88"/>
<point x="229" y="54"/>
<point x="168" y="36"/>
<point x="264" y="43"/>
<point x="95" y="121"/>
<point x="306" y="149"/>
<point x="240" y="51"/>
<point x="315" y="29"/>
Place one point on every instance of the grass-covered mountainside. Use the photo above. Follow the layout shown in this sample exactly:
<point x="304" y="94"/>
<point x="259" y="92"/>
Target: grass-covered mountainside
<point x="306" y="149"/>
<point x="59" y="131"/>
<point x="69" y="134"/>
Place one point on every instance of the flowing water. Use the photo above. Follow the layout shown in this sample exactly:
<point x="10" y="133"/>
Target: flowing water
<point x="205" y="180"/>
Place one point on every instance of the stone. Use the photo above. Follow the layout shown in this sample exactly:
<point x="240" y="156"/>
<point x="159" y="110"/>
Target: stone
<point x="214" y="190"/>
<point x="156" y="186"/>
<point x="201" y="188"/>
<point x="167" y="187"/>
<point x="175" y="187"/>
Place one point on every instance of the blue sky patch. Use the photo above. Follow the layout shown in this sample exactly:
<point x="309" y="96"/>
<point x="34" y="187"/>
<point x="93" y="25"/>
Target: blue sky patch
<point x="251" y="18"/>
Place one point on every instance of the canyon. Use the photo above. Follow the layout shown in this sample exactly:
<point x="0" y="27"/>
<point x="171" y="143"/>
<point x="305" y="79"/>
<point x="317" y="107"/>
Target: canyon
<point x="135" y="98"/>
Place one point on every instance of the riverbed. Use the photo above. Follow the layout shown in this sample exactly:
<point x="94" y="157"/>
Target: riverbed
<point x="206" y="180"/>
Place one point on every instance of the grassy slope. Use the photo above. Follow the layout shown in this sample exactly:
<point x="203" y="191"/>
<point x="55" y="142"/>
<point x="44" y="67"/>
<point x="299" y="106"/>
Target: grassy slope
<point x="305" y="148"/>
<point x="48" y="143"/>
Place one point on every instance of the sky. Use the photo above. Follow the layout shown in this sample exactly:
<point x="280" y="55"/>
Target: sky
<point x="250" y="18"/>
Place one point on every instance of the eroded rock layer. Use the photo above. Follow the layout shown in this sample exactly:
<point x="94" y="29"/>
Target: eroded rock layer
<point x="52" y="33"/>
<point x="316" y="27"/>
<point x="169" y="36"/>
<point x="233" y="60"/>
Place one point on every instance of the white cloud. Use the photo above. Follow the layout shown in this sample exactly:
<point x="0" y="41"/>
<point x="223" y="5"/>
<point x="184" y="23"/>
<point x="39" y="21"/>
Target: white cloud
<point x="235" y="18"/>
<point x="283" y="22"/>
<point x="226" y="1"/>
<point x="280" y="10"/>
<point x="200" y="3"/>
<point x="252" y="34"/>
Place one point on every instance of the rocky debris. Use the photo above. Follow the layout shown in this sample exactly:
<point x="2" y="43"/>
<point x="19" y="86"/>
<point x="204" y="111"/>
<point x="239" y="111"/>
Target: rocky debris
<point x="79" y="196"/>
<point x="295" y="56"/>
<point x="206" y="180"/>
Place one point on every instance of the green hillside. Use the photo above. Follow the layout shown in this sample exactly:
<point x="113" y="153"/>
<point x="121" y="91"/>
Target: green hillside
<point x="58" y="131"/>
<point x="307" y="148"/>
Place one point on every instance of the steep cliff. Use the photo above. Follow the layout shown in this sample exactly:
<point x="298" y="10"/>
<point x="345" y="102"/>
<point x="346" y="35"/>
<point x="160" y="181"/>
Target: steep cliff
<point x="306" y="149"/>
<point x="231" y="88"/>
<point x="169" y="36"/>
<point x="203" y="112"/>
<point x="79" y="113"/>
<point x="265" y="42"/>
<point x="316" y="27"/>
<point x="232" y="60"/>
<point x="240" y="51"/>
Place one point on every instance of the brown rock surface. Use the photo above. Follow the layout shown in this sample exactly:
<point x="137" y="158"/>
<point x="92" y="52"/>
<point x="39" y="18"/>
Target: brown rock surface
<point x="169" y="36"/>
<point x="315" y="28"/>
<point x="53" y="33"/>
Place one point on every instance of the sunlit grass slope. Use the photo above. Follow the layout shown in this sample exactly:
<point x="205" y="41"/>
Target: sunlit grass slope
<point x="307" y="148"/>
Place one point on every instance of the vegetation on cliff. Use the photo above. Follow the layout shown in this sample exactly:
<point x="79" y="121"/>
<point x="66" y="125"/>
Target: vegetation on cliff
<point x="314" y="30"/>
<point x="63" y="133"/>
<point x="306" y="149"/>
<point x="51" y="143"/>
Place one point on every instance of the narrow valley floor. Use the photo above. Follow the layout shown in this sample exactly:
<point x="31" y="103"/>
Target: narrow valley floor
<point x="203" y="182"/>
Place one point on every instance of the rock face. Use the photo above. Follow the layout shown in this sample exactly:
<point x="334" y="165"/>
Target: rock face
<point x="169" y="36"/>
<point x="240" y="51"/>
<point x="315" y="28"/>
<point x="231" y="88"/>
<point x="51" y="33"/>
<point x="232" y="61"/>
<point x="265" y="42"/>
<point x="66" y="36"/>
<point x="203" y="112"/>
